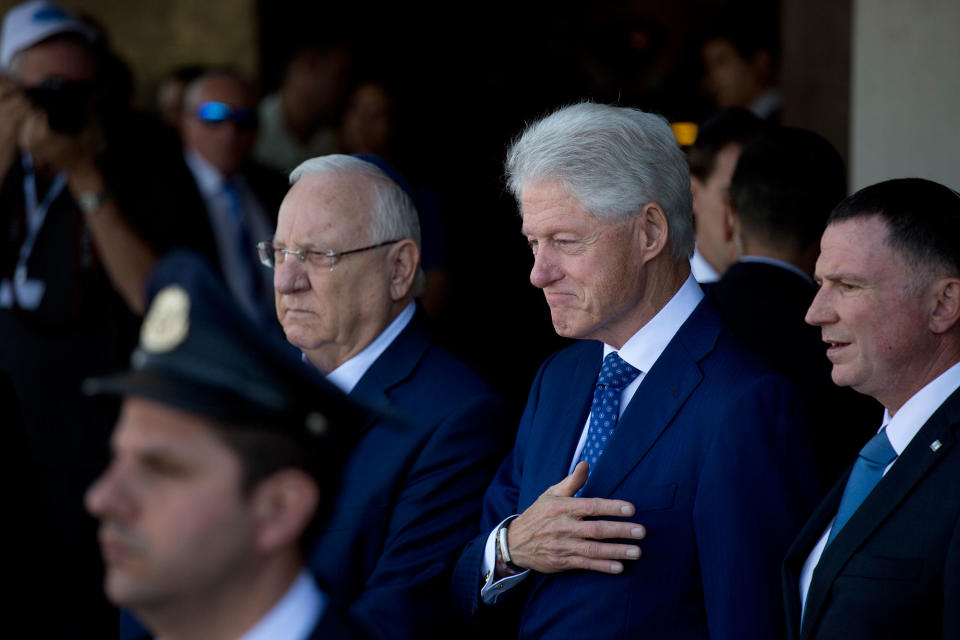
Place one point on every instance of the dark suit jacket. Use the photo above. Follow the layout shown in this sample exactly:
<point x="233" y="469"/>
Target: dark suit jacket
<point x="893" y="571"/>
<point x="411" y="492"/>
<point x="712" y="452"/>
<point x="764" y="306"/>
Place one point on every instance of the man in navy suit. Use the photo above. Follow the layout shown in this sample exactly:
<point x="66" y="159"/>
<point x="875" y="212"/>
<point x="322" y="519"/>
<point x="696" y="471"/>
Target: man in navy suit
<point x="683" y="441"/>
<point x="880" y="557"/>
<point x="346" y="259"/>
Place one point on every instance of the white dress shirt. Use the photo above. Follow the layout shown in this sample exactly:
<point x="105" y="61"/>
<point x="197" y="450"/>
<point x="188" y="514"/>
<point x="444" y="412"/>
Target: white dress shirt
<point x="701" y="269"/>
<point x="901" y="429"/>
<point x="641" y="351"/>
<point x="348" y="374"/>
<point x="210" y="184"/>
<point x="294" y="616"/>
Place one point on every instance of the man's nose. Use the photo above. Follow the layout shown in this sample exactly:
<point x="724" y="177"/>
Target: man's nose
<point x="545" y="270"/>
<point x="821" y="311"/>
<point x="290" y="276"/>
<point x="109" y="496"/>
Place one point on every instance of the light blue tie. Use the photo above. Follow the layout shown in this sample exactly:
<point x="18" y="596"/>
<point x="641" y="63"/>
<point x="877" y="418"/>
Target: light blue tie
<point x="615" y="374"/>
<point x="247" y="277"/>
<point x="866" y="473"/>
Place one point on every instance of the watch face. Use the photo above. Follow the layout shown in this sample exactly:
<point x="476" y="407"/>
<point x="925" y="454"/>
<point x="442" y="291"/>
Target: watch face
<point x="90" y="202"/>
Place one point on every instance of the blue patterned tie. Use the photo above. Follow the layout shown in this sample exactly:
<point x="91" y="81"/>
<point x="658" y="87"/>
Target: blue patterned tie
<point x="615" y="374"/>
<point x="866" y="473"/>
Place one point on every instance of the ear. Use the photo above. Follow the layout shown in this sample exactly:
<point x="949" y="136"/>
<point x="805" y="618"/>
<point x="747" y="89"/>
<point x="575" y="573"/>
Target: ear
<point x="403" y="257"/>
<point x="283" y="505"/>
<point x="732" y="233"/>
<point x="731" y="223"/>
<point x="651" y="230"/>
<point x="946" y="305"/>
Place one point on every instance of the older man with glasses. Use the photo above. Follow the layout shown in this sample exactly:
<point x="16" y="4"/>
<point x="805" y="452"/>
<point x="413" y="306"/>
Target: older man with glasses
<point x="346" y="261"/>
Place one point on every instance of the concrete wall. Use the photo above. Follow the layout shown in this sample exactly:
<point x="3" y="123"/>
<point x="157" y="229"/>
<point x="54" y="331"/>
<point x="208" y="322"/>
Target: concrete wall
<point x="905" y="91"/>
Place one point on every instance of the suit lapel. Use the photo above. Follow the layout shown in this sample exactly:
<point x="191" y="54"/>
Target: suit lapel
<point x="566" y="418"/>
<point x="394" y="365"/>
<point x="662" y="392"/>
<point x="915" y="461"/>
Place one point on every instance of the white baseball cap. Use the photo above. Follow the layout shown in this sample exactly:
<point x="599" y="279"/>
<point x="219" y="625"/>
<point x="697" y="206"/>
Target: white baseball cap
<point x="27" y="24"/>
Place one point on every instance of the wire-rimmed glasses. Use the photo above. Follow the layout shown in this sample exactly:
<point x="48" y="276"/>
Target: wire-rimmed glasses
<point x="272" y="255"/>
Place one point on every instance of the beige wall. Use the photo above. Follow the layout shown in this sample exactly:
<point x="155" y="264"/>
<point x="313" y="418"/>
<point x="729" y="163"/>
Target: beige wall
<point x="905" y="104"/>
<point x="154" y="36"/>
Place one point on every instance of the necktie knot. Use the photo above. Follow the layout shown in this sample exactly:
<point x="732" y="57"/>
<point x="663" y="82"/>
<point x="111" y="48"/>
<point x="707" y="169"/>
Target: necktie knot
<point x="878" y="450"/>
<point x="616" y="373"/>
<point x="866" y="473"/>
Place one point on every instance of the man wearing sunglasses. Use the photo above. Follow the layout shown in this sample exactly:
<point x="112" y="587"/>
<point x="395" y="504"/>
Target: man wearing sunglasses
<point x="346" y="264"/>
<point x="219" y="126"/>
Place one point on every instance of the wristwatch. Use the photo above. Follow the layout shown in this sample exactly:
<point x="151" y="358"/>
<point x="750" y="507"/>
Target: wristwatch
<point x="91" y="201"/>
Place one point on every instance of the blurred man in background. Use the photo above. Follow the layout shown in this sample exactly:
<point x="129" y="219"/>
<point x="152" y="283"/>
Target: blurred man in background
<point x="87" y="202"/>
<point x="785" y="184"/>
<point x="712" y="158"/>
<point x="240" y="197"/>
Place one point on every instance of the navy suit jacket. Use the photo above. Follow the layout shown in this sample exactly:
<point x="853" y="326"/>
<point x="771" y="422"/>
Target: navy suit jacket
<point x="712" y="452"/>
<point x="764" y="305"/>
<point x="411" y="491"/>
<point x="893" y="571"/>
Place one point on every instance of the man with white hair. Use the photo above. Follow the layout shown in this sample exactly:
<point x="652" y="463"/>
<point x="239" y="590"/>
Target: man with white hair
<point x="346" y="260"/>
<point x="656" y="426"/>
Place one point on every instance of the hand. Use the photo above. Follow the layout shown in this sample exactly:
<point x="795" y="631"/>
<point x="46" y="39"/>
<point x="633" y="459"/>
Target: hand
<point x="59" y="151"/>
<point x="13" y="108"/>
<point x="551" y="535"/>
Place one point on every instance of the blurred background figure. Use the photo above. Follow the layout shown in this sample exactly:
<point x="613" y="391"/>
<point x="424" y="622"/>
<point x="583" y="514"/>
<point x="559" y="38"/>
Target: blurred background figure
<point x="740" y="58"/>
<point x="87" y="202"/>
<point x="784" y="186"/>
<point x="168" y="98"/>
<point x="373" y="123"/>
<point x="300" y="120"/>
<point x="712" y="158"/>
<point x="240" y="197"/>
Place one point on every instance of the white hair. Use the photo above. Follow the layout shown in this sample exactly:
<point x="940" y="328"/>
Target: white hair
<point x="614" y="160"/>
<point x="394" y="215"/>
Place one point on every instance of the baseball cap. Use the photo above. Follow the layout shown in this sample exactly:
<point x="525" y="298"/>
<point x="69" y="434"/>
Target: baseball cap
<point x="31" y="22"/>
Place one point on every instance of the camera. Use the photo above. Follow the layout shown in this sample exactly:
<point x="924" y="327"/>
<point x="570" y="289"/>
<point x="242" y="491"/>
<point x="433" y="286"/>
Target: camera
<point x="67" y="104"/>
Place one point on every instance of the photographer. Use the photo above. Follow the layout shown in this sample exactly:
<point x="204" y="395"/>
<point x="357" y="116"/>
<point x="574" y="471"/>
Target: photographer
<point x="87" y="203"/>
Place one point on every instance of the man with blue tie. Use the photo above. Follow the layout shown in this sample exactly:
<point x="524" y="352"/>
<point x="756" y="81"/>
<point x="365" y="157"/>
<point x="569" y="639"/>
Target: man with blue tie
<point x="240" y="197"/>
<point x="880" y="558"/>
<point x="655" y="427"/>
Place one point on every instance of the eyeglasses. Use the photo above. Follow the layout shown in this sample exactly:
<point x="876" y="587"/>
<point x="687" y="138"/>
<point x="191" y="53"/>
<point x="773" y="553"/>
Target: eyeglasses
<point x="219" y="112"/>
<point x="272" y="255"/>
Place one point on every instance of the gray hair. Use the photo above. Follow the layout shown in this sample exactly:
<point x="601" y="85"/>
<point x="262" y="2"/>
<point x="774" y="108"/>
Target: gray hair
<point x="394" y="214"/>
<point x="613" y="160"/>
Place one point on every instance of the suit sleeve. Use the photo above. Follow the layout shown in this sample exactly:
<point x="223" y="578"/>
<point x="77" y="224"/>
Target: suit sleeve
<point x="756" y="490"/>
<point x="435" y="512"/>
<point x="500" y="501"/>
<point x="951" y="586"/>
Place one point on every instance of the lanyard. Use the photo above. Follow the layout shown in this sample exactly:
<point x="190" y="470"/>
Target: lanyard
<point x="36" y="211"/>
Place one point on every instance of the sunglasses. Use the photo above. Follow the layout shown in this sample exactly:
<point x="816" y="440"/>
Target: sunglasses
<point x="218" y="112"/>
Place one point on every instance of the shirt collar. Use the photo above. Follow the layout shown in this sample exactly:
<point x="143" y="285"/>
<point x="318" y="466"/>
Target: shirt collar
<point x="778" y="263"/>
<point x="904" y="425"/>
<point x="701" y="270"/>
<point x="348" y="374"/>
<point x="645" y="346"/>
<point x="209" y="179"/>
